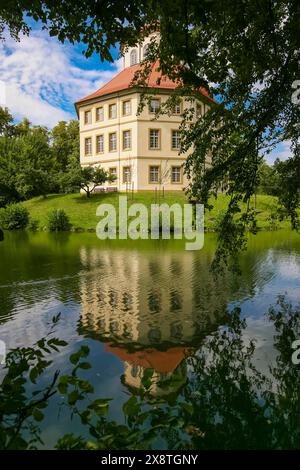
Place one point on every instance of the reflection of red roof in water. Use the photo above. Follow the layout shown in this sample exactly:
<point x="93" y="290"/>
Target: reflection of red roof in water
<point x="123" y="80"/>
<point x="160" y="361"/>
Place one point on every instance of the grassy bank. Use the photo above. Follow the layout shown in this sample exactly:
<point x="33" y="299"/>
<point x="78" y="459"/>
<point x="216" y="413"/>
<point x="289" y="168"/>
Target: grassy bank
<point x="82" y="211"/>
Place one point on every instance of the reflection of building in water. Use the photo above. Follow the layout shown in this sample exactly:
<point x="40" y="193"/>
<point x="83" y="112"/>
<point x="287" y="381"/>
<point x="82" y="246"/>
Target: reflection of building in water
<point x="165" y="364"/>
<point x="151" y="307"/>
<point x="143" y="299"/>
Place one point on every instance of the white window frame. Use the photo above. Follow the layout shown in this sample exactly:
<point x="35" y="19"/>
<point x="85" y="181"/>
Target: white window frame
<point x="177" y="109"/>
<point x="101" y="114"/>
<point x="126" y="139"/>
<point x="126" y="171"/>
<point x="124" y="103"/>
<point x="156" y="171"/>
<point x="176" y="167"/>
<point x="97" y="148"/>
<point x="133" y="57"/>
<point x="88" y="121"/>
<point x="115" y="173"/>
<point x="175" y="140"/>
<point x="110" y="141"/>
<point x="88" y="146"/>
<point x="110" y="114"/>
<point x="154" y="109"/>
<point x="154" y="139"/>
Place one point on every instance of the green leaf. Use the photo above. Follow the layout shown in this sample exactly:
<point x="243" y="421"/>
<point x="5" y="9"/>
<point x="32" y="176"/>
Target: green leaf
<point x="84" y="365"/>
<point x="100" y="406"/>
<point x="33" y="374"/>
<point x="85" y="386"/>
<point x="74" y="358"/>
<point x="56" y="318"/>
<point x="57" y="342"/>
<point x="146" y="380"/>
<point x="84" y="351"/>
<point x="131" y="407"/>
<point x="86" y="416"/>
<point x="62" y="388"/>
<point x="73" y="397"/>
<point x="37" y="414"/>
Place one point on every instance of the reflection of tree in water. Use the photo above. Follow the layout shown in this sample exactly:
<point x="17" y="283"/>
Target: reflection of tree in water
<point x="225" y="402"/>
<point x="217" y="398"/>
<point x="233" y="405"/>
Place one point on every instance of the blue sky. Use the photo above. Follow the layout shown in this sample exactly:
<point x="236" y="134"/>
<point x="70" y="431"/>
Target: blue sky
<point x="43" y="78"/>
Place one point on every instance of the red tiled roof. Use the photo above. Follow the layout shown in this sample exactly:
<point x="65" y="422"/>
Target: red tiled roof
<point x="123" y="80"/>
<point x="160" y="361"/>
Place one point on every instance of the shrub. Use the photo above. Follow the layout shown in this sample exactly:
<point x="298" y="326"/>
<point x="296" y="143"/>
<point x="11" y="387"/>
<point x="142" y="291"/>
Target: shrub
<point x="14" y="217"/>
<point x="58" y="221"/>
<point x="33" y="225"/>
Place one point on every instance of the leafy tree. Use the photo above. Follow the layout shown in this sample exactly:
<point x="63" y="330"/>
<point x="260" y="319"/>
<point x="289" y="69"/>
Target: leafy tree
<point x="6" y="122"/>
<point x="27" y="165"/>
<point x="35" y="172"/>
<point x="32" y="159"/>
<point x="8" y="171"/>
<point x="289" y="194"/>
<point x="65" y="143"/>
<point x="268" y="180"/>
<point x="98" y="25"/>
<point x="244" y="52"/>
<point x="86" y="178"/>
<point x="23" y="128"/>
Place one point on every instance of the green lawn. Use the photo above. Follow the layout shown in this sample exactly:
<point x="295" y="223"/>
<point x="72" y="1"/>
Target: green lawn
<point x="82" y="211"/>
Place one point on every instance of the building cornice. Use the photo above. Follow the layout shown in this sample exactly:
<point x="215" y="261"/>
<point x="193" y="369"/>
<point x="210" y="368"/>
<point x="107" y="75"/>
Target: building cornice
<point x="138" y="90"/>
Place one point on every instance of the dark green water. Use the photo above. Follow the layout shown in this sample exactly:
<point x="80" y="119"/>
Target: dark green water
<point x="137" y="305"/>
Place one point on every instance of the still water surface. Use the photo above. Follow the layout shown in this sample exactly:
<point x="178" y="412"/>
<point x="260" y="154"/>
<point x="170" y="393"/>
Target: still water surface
<point x="138" y="305"/>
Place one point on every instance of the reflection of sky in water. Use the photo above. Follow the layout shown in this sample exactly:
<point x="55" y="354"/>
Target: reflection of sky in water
<point x="135" y="308"/>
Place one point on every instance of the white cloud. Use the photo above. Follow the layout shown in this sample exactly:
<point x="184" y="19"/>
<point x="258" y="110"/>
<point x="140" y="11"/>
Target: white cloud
<point x="44" y="78"/>
<point x="2" y="93"/>
<point x="281" y="151"/>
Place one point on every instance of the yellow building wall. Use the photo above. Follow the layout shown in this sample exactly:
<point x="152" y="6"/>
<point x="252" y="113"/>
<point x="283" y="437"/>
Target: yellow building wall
<point x="139" y="157"/>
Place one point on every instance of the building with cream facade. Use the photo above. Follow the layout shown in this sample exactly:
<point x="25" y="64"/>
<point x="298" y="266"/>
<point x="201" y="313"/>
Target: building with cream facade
<point x="141" y="150"/>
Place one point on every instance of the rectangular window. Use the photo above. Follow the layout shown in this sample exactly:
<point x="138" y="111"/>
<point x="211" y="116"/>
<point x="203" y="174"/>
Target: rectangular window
<point x="176" y="174"/>
<point x="177" y="108"/>
<point x="88" y="146"/>
<point x="113" y="172"/>
<point x="112" y="142"/>
<point x="126" y="140"/>
<point x="153" y="174"/>
<point x="175" y="140"/>
<point x="99" y="114"/>
<point x="126" y="174"/>
<point x="126" y="108"/>
<point x="100" y="143"/>
<point x="87" y="117"/>
<point x="112" y="111"/>
<point x="199" y="110"/>
<point x="154" y="105"/>
<point x="154" y="139"/>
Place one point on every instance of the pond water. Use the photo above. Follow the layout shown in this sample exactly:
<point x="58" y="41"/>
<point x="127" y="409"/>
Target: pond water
<point x="138" y="305"/>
